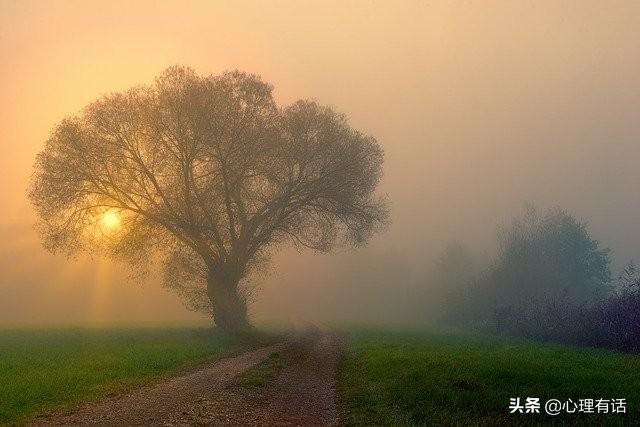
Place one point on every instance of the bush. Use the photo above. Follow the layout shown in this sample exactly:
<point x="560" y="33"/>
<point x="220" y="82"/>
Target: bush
<point x="612" y="322"/>
<point x="615" y="322"/>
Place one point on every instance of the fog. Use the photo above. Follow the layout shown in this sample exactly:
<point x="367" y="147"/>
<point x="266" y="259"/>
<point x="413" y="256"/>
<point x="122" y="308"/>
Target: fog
<point x="480" y="107"/>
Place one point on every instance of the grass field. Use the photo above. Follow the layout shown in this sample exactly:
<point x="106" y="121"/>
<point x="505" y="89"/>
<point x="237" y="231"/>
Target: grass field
<point x="42" y="369"/>
<point x="448" y="379"/>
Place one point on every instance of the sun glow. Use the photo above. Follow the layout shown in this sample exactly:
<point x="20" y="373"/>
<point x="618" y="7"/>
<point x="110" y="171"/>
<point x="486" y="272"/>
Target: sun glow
<point x="110" y="220"/>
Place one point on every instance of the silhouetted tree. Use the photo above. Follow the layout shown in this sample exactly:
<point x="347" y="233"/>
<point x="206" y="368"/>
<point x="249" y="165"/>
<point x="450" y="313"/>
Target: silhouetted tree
<point x="629" y="278"/>
<point x="209" y="174"/>
<point x="547" y="267"/>
<point x="550" y="255"/>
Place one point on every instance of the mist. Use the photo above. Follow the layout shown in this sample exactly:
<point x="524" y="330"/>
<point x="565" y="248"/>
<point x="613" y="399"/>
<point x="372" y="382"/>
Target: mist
<point x="480" y="107"/>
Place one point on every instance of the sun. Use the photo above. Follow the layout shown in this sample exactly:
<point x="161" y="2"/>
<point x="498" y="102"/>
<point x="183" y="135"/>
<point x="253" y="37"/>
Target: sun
<point x="110" y="220"/>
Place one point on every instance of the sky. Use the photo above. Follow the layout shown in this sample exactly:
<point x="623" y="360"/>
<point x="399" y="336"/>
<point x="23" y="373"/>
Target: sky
<point x="480" y="106"/>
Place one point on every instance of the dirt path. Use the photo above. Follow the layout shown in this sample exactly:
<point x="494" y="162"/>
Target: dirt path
<point x="302" y="393"/>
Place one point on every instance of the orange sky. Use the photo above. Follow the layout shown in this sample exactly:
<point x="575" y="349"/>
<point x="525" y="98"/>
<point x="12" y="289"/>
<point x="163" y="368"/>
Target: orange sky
<point x="479" y="105"/>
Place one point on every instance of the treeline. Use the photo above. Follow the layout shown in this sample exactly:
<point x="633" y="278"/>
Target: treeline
<point x="550" y="281"/>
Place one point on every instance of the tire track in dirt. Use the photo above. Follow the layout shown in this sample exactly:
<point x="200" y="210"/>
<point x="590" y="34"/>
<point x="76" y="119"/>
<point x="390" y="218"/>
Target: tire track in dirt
<point x="302" y="394"/>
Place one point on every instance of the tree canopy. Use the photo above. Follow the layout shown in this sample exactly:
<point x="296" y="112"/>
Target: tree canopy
<point x="550" y="255"/>
<point x="209" y="174"/>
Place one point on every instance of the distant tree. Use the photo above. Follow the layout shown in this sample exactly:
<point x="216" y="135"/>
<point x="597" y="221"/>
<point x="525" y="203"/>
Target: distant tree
<point x="629" y="279"/>
<point x="547" y="266"/>
<point x="549" y="255"/>
<point x="210" y="175"/>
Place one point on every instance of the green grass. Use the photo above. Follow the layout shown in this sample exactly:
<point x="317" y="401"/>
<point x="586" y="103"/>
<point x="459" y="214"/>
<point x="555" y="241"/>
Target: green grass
<point x="42" y="369"/>
<point x="447" y="379"/>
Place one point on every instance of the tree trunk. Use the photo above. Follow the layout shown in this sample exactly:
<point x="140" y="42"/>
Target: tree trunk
<point x="228" y="307"/>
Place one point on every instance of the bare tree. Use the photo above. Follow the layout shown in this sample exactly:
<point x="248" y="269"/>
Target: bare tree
<point x="210" y="175"/>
